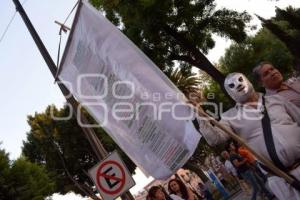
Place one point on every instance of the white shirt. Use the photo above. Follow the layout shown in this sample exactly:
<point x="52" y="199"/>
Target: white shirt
<point x="230" y="168"/>
<point x="175" y="197"/>
<point x="285" y="120"/>
<point x="292" y="93"/>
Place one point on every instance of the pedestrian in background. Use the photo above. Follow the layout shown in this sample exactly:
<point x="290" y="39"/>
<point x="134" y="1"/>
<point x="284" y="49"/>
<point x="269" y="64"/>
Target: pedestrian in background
<point x="178" y="188"/>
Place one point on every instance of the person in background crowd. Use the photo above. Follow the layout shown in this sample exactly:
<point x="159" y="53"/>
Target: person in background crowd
<point x="272" y="80"/>
<point x="232" y="170"/>
<point x="242" y="167"/>
<point x="260" y="178"/>
<point x="205" y="191"/>
<point x="157" y="193"/>
<point x="252" y="162"/>
<point x="178" y="188"/>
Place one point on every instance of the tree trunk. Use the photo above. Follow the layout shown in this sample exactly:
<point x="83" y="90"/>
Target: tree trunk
<point x="199" y="60"/>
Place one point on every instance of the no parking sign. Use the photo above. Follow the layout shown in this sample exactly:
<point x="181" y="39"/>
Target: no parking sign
<point x="111" y="177"/>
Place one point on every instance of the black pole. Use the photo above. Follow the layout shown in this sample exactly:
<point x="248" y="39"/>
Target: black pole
<point x="90" y="134"/>
<point x="100" y="152"/>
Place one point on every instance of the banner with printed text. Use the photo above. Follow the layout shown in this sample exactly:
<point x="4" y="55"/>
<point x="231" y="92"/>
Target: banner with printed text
<point x="128" y="95"/>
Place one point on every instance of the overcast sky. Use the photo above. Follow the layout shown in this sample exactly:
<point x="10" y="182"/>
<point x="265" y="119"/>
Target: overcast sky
<point x="26" y="84"/>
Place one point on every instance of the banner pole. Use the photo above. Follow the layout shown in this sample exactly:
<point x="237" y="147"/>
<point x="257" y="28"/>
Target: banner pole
<point x="90" y="134"/>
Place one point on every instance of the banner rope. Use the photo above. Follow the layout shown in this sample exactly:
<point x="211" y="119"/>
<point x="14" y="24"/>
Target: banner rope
<point x="63" y="28"/>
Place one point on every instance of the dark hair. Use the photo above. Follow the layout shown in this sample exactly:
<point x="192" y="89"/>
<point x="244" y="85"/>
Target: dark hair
<point x="182" y="187"/>
<point x="227" y="145"/>
<point x="152" y="191"/>
<point x="148" y="197"/>
<point x="256" y="69"/>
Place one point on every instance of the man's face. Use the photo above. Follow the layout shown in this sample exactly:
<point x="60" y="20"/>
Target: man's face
<point x="270" y="77"/>
<point x="225" y="155"/>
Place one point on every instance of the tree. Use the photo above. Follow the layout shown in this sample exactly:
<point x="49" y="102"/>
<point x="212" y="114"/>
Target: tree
<point x="285" y="25"/>
<point x="243" y="57"/>
<point x="264" y="46"/>
<point x="4" y="174"/>
<point x="61" y="146"/>
<point x="23" y="180"/>
<point x="186" y="81"/>
<point x="176" y="30"/>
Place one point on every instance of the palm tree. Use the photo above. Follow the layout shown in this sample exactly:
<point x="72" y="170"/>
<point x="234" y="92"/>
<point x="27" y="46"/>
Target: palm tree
<point x="187" y="82"/>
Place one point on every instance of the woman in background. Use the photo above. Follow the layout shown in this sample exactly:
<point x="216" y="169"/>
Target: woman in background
<point x="178" y="188"/>
<point x="158" y="193"/>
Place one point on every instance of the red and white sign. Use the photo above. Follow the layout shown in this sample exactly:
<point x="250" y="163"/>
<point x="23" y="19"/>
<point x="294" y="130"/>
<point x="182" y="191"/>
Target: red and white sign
<point x="111" y="177"/>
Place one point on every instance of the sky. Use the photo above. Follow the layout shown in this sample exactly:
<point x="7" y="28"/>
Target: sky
<point x="27" y="85"/>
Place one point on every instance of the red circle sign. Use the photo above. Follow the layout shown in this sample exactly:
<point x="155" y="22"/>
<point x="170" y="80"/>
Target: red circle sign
<point x="100" y="174"/>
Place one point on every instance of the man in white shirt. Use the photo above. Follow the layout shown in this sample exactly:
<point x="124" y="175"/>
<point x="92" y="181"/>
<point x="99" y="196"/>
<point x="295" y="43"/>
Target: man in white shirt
<point x="228" y="165"/>
<point x="245" y="119"/>
<point x="231" y="169"/>
<point x="272" y="80"/>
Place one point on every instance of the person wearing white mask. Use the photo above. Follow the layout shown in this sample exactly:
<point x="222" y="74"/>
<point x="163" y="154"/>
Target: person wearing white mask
<point x="269" y="125"/>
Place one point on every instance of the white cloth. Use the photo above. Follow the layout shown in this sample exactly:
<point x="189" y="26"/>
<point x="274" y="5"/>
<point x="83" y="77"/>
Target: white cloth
<point x="292" y="94"/>
<point x="175" y="197"/>
<point x="281" y="189"/>
<point x="230" y="168"/>
<point x="246" y="122"/>
<point x="128" y="96"/>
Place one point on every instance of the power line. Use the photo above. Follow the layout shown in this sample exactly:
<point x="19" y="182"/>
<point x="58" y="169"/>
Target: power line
<point x="10" y="21"/>
<point x="8" y="25"/>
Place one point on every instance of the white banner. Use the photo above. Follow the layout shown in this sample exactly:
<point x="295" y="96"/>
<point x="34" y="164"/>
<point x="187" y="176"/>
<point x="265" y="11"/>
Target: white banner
<point x="128" y="95"/>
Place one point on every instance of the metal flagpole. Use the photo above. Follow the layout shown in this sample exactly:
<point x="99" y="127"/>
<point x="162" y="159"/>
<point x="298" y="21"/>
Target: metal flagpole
<point x="90" y="134"/>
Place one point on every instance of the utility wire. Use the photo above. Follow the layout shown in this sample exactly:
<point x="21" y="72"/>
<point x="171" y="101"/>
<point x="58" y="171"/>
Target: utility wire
<point x="10" y="22"/>
<point x="8" y="25"/>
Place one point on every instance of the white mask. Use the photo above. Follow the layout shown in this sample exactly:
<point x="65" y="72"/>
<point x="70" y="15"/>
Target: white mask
<point x="238" y="87"/>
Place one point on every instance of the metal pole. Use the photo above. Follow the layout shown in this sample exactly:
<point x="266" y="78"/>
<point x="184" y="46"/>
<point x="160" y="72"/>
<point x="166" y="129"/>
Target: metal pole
<point x="89" y="132"/>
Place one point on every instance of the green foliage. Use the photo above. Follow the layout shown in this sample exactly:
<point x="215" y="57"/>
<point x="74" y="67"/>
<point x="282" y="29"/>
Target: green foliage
<point x="4" y="174"/>
<point x="243" y="57"/>
<point x="30" y="181"/>
<point x="264" y="46"/>
<point x="288" y="20"/>
<point x="179" y="30"/>
<point x="23" y="180"/>
<point x="286" y="27"/>
<point x="62" y="147"/>
<point x="186" y="81"/>
<point x="214" y="94"/>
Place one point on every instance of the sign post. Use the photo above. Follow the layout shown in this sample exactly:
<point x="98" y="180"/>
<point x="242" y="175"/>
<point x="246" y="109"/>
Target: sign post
<point x="89" y="132"/>
<point x="111" y="177"/>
